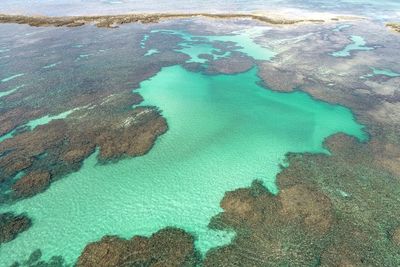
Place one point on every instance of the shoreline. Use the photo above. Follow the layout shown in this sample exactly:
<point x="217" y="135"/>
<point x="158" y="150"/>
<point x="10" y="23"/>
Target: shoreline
<point x="112" y="21"/>
<point x="394" y="26"/>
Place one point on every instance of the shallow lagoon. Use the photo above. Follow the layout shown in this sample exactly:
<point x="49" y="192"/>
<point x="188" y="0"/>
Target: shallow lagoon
<point x="224" y="132"/>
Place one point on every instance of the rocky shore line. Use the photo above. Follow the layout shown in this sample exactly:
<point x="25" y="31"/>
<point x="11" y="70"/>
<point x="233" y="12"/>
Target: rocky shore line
<point x="11" y="225"/>
<point x="111" y="21"/>
<point x="394" y="26"/>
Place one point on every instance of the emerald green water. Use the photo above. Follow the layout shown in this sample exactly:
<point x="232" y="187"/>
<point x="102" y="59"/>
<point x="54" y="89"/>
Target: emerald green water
<point x="224" y="132"/>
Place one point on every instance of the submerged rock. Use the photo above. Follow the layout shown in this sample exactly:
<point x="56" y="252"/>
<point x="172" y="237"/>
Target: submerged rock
<point x="167" y="247"/>
<point x="35" y="260"/>
<point x="308" y="223"/>
<point x="11" y="225"/>
<point x="59" y="147"/>
<point x="394" y="26"/>
<point x="396" y="236"/>
<point x="31" y="184"/>
<point x="231" y="65"/>
<point x="112" y="21"/>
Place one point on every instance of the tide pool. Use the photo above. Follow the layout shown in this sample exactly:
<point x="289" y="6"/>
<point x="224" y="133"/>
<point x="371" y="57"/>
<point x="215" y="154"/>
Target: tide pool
<point x="151" y="52"/>
<point x="6" y="93"/>
<point x="224" y="132"/>
<point x="358" y="44"/>
<point x="384" y="72"/>
<point x="40" y="121"/>
<point x="12" y="77"/>
<point x="244" y="40"/>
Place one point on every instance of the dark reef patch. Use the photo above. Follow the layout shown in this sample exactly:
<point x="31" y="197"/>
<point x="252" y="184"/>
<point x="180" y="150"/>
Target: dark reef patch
<point x="236" y="63"/>
<point x="331" y="211"/>
<point x="111" y="21"/>
<point x="394" y="26"/>
<point x="31" y="184"/>
<point x="35" y="260"/>
<point x="167" y="247"/>
<point x="11" y="225"/>
<point x="64" y="144"/>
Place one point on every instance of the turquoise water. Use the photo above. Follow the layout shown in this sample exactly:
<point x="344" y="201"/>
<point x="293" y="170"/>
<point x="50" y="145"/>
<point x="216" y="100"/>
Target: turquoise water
<point x="151" y="52"/>
<point x="357" y="45"/>
<point x="224" y="132"/>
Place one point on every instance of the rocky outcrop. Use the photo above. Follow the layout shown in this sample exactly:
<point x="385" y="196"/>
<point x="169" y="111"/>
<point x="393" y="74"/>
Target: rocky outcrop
<point x="31" y="184"/>
<point x="110" y="21"/>
<point x="231" y="65"/>
<point x="396" y="236"/>
<point x="336" y="210"/>
<point x="11" y="225"/>
<point x="167" y="247"/>
<point x="35" y="260"/>
<point x="52" y="150"/>
<point x="394" y="26"/>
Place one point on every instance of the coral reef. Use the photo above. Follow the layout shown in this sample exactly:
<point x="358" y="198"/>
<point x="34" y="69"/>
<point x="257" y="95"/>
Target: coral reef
<point x="11" y="225"/>
<point x="31" y="184"/>
<point x="110" y="21"/>
<point x="60" y="146"/>
<point x="332" y="210"/>
<point x="167" y="247"/>
<point x="35" y="260"/>
<point x="394" y="26"/>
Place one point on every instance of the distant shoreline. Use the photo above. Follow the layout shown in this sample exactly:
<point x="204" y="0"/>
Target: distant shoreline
<point x="112" y="21"/>
<point x="394" y="26"/>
